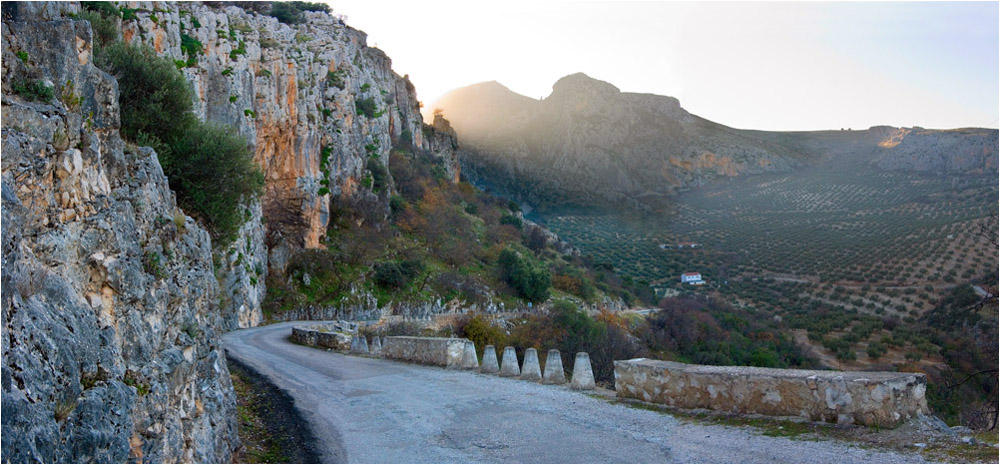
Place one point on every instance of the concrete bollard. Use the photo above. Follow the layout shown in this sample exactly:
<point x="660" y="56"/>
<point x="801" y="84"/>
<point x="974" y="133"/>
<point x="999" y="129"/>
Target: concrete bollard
<point x="376" y="348"/>
<point x="554" y="373"/>
<point x="469" y="360"/>
<point x="530" y="370"/>
<point x="583" y="375"/>
<point x="360" y="345"/>
<point x="490" y="364"/>
<point x="508" y="366"/>
<point x="354" y="343"/>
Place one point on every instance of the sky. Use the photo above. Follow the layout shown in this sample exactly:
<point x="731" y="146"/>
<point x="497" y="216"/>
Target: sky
<point x="772" y="66"/>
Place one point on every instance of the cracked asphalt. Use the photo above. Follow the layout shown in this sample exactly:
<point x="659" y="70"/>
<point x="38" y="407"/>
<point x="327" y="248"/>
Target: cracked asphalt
<point x="367" y="410"/>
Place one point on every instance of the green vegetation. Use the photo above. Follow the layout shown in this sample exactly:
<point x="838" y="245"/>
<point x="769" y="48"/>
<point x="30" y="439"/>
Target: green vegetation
<point x="432" y="239"/>
<point x="23" y="56"/>
<point x="336" y="78"/>
<point x="366" y="106"/>
<point x="860" y="266"/>
<point x="291" y="12"/>
<point x="34" y="90"/>
<point x="191" y="47"/>
<point x="527" y="277"/>
<point x="210" y="167"/>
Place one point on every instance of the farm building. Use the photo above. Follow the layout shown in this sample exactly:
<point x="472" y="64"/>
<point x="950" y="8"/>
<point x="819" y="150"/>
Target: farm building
<point x="691" y="278"/>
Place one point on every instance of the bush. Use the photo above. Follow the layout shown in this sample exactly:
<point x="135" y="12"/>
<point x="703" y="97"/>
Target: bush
<point x="366" y="106"/>
<point x="529" y="279"/>
<point x="397" y="274"/>
<point x="103" y="24"/>
<point x="511" y="220"/>
<point x="155" y="98"/>
<point x="210" y="167"/>
<point x="34" y="90"/>
<point x="213" y="172"/>
<point x="286" y="13"/>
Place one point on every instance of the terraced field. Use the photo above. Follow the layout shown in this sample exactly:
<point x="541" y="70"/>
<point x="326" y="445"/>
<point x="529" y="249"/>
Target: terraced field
<point x="827" y="251"/>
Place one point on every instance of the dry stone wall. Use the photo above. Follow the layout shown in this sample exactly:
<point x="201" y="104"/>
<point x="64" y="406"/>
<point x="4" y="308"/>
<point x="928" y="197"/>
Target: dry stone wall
<point x="866" y="398"/>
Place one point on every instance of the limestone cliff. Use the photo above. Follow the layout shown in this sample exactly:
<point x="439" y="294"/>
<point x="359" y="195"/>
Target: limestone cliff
<point x="113" y="298"/>
<point x="110" y="304"/>
<point x="314" y="101"/>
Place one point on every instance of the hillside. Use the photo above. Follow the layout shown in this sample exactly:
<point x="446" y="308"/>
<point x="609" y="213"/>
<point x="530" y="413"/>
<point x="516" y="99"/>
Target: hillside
<point x="589" y="144"/>
<point x="173" y="171"/>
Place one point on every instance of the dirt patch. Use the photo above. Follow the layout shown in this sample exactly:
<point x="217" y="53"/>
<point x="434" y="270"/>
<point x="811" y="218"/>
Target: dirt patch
<point x="270" y="427"/>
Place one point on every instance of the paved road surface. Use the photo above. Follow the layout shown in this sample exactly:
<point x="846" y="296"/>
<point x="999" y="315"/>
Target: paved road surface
<point x="375" y="411"/>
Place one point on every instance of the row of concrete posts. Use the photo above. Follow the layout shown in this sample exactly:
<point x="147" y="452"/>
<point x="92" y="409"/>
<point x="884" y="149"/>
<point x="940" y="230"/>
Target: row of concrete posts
<point x="583" y="375"/>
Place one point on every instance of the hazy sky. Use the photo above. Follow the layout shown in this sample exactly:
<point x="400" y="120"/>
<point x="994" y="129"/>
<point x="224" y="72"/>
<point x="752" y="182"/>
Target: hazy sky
<point x="780" y="66"/>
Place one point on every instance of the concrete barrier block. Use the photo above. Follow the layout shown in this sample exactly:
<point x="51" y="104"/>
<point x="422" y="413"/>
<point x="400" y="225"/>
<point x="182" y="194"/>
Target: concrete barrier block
<point x="530" y="370"/>
<point x="360" y="345"/>
<point x="583" y="375"/>
<point x="334" y="335"/>
<point x="866" y="398"/>
<point x="508" y="366"/>
<point x="490" y="364"/>
<point x="554" y="373"/>
<point x="469" y="359"/>
<point x="440" y="351"/>
<point x="376" y="348"/>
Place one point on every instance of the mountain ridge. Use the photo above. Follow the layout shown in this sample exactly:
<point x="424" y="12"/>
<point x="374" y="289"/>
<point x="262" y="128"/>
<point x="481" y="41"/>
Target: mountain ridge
<point x="590" y="143"/>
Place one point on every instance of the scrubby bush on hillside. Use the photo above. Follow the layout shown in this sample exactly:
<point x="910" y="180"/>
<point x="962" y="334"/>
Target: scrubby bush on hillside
<point x="209" y="166"/>
<point x="527" y="277"/>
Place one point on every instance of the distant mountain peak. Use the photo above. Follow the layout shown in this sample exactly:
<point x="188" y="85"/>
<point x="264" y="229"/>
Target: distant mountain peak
<point x="580" y="83"/>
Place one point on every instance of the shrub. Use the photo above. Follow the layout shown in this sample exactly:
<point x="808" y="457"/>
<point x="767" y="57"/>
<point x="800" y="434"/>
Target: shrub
<point x="336" y="79"/>
<point x="213" y="172"/>
<point x="366" y="106"/>
<point x="512" y="220"/>
<point x="380" y="176"/>
<point x="397" y="274"/>
<point x="287" y="13"/>
<point x="34" y="90"/>
<point x="191" y="47"/>
<point x="529" y="279"/>
<point x="155" y="98"/>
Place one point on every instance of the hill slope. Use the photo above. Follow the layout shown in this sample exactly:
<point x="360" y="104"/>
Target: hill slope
<point x="588" y="143"/>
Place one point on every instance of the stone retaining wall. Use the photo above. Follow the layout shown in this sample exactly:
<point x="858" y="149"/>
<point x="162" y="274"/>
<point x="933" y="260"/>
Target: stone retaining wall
<point x="866" y="398"/>
<point x="440" y="351"/>
<point x="330" y="336"/>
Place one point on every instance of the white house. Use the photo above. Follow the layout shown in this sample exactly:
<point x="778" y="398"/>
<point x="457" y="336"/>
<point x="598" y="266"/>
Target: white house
<point x="691" y="278"/>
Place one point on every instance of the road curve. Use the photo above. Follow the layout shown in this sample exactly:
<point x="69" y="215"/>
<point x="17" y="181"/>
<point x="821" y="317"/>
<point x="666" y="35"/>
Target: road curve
<point x="366" y="410"/>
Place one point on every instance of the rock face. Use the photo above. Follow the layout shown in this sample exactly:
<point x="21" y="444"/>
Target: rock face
<point x="296" y="93"/>
<point x="589" y="144"/>
<point x="866" y="398"/>
<point x="113" y="298"/>
<point x="110" y="304"/>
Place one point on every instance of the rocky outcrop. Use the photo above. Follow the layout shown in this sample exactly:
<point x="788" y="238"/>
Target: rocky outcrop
<point x="110" y="306"/>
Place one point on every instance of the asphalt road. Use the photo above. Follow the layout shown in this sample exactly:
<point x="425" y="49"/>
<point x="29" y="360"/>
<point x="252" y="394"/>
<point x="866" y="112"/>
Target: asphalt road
<point x="366" y="410"/>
